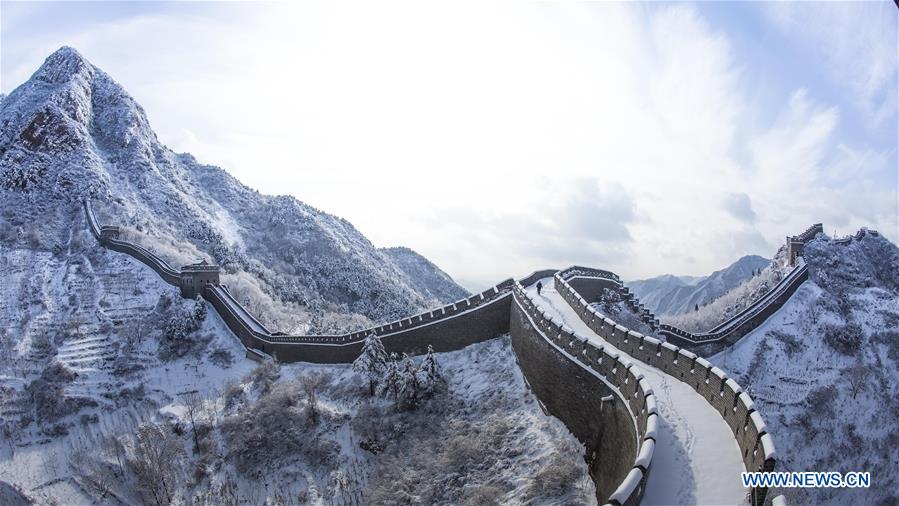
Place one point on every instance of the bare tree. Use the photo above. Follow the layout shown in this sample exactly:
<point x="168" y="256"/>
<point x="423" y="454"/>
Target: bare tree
<point x="113" y="446"/>
<point x="9" y="434"/>
<point x="92" y="471"/>
<point x="156" y="461"/>
<point x="857" y="376"/>
<point x="310" y="384"/>
<point x="193" y="405"/>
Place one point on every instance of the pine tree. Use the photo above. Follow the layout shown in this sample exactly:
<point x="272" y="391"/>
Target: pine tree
<point x="199" y="310"/>
<point x="410" y="384"/>
<point x="372" y="362"/>
<point x="431" y="377"/>
<point x="392" y="380"/>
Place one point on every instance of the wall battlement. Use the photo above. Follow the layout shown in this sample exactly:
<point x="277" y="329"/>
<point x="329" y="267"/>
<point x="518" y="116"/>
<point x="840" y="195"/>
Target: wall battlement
<point x="571" y="377"/>
<point x="722" y="393"/>
<point x="796" y="243"/>
<point x="479" y="317"/>
<point x="731" y="330"/>
<point x="619" y="434"/>
<point x="196" y="277"/>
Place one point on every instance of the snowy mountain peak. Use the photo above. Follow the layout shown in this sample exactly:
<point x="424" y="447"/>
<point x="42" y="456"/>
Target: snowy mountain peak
<point x="71" y="132"/>
<point x="64" y="64"/>
<point x="57" y="127"/>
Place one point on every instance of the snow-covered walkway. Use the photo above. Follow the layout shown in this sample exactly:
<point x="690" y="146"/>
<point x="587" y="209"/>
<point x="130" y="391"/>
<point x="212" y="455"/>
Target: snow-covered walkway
<point x="696" y="460"/>
<point x="239" y="309"/>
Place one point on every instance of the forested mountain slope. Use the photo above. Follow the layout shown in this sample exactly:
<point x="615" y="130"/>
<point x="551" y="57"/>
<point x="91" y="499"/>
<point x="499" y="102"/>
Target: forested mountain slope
<point x="825" y="369"/>
<point x="71" y="132"/>
<point x="671" y="295"/>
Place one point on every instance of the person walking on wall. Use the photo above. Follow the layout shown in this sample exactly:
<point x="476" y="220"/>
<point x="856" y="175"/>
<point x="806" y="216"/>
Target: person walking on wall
<point x="539" y="287"/>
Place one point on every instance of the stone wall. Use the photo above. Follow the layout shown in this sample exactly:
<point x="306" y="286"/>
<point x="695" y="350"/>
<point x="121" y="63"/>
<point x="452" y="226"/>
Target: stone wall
<point x="169" y="275"/>
<point x="744" y="322"/>
<point x="591" y="288"/>
<point x="723" y="393"/>
<point x="601" y="397"/>
<point x="477" y="318"/>
<point x="571" y="377"/>
<point x="796" y="243"/>
<point x="195" y="278"/>
<point x="108" y="236"/>
<point x="452" y="333"/>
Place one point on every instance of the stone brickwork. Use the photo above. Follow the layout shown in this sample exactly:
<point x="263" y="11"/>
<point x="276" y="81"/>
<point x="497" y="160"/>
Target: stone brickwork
<point x="600" y="396"/>
<point x="591" y="287"/>
<point x="109" y="237"/>
<point x="446" y="329"/>
<point x="858" y="236"/>
<point x="744" y="322"/>
<point x="722" y="393"/>
<point x="796" y="243"/>
<point x="572" y="377"/>
<point x="195" y="278"/>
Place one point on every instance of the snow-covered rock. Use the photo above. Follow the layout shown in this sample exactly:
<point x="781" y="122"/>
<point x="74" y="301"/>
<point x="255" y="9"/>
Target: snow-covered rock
<point x="72" y="132"/>
<point x="825" y="370"/>
<point x="99" y="358"/>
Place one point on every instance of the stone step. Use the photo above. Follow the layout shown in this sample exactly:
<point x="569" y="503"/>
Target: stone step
<point x="80" y="352"/>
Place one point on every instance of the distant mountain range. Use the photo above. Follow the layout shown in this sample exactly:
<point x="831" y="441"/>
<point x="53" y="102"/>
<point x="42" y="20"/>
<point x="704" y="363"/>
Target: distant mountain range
<point x="670" y="295"/>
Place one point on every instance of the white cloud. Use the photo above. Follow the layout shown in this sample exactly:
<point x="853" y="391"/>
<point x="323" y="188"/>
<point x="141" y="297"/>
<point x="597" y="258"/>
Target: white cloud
<point x="856" y="41"/>
<point x="740" y="206"/>
<point x="495" y="138"/>
<point x="801" y="173"/>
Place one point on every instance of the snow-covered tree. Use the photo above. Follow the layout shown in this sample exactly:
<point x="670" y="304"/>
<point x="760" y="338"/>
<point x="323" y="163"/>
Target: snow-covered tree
<point x="199" y="310"/>
<point x="156" y="459"/>
<point x="430" y="373"/>
<point x="372" y="362"/>
<point x="310" y="385"/>
<point x="411" y="388"/>
<point x="392" y="382"/>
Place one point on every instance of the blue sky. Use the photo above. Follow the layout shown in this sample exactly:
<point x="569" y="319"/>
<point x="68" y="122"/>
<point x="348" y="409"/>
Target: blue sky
<point x="500" y="137"/>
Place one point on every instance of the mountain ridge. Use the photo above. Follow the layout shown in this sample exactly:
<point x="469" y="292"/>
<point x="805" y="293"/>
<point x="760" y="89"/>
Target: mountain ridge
<point x="670" y="295"/>
<point x="71" y="132"/>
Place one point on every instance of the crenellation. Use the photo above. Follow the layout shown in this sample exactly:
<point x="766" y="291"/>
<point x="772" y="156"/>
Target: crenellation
<point x="723" y="393"/>
<point x="558" y="365"/>
<point x="644" y="458"/>
<point x="652" y="423"/>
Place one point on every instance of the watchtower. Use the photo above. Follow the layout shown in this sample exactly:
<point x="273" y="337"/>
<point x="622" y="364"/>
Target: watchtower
<point x="195" y="277"/>
<point x="796" y="243"/>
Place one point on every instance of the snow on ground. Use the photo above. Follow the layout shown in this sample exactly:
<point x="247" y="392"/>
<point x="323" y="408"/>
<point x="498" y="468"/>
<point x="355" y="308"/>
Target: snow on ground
<point x="486" y="439"/>
<point x="740" y="297"/>
<point x="529" y="456"/>
<point x="41" y="465"/>
<point x="696" y="460"/>
<point x="824" y="415"/>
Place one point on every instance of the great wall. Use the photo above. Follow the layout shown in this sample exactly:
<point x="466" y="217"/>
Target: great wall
<point x="596" y="379"/>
